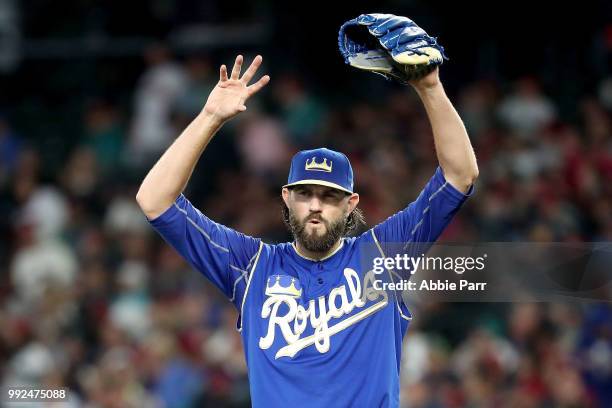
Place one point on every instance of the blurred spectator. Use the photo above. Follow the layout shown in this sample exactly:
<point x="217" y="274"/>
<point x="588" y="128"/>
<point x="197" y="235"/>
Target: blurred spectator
<point x="129" y="310"/>
<point x="104" y="134"/>
<point x="301" y="112"/>
<point x="594" y="349"/>
<point x="10" y="146"/>
<point x="527" y="109"/>
<point x="605" y="93"/>
<point x="81" y="175"/>
<point x="157" y="90"/>
<point x="123" y="216"/>
<point x="263" y="146"/>
<point x="201" y="79"/>
<point x="475" y="106"/>
<point x="42" y="260"/>
<point x="177" y="381"/>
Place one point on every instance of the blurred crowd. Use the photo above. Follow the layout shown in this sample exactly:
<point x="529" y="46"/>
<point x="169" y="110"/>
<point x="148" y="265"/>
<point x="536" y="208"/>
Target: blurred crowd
<point x="91" y="299"/>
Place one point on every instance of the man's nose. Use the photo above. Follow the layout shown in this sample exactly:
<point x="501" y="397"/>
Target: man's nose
<point x="315" y="204"/>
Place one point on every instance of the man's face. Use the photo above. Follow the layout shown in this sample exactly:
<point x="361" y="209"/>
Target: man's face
<point x="317" y="214"/>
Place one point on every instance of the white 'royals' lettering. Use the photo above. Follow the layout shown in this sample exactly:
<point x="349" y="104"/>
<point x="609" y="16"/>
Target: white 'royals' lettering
<point x="301" y="316"/>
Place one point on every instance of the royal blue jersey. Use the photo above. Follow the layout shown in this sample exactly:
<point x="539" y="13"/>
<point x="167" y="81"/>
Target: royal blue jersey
<point x="315" y="333"/>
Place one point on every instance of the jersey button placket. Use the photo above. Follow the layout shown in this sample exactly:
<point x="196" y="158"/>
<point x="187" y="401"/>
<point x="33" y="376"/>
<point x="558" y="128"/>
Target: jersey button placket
<point x="319" y="269"/>
<point x="318" y="278"/>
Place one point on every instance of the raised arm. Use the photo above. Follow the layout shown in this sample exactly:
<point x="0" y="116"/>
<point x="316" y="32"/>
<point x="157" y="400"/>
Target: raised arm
<point x="169" y="176"/>
<point x="453" y="147"/>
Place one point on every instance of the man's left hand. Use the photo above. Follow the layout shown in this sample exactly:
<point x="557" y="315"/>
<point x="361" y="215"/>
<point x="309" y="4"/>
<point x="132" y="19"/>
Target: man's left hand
<point x="429" y="81"/>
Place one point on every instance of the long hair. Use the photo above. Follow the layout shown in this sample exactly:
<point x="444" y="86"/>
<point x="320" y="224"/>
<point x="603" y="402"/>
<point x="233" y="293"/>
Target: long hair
<point x="354" y="222"/>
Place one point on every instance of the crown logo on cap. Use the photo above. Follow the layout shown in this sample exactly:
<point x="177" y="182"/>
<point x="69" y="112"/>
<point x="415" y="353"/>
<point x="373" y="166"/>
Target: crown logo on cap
<point x="313" y="165"/>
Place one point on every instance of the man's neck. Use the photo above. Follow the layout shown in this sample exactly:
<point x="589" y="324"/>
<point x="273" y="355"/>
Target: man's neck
<point x="316" y="256"/>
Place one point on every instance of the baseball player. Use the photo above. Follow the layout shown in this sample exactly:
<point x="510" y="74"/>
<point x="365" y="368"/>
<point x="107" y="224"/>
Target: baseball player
<point x="315" y="332"/>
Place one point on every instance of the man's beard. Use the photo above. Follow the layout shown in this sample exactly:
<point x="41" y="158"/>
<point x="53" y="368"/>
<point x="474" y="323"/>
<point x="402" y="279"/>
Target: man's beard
<point x="313" y="242"/>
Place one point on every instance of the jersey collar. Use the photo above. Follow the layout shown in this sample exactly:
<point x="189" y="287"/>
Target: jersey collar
<point x="318" y="260"/>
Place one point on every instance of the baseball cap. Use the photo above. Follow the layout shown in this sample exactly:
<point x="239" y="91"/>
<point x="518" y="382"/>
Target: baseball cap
<point x="321" y="166"/>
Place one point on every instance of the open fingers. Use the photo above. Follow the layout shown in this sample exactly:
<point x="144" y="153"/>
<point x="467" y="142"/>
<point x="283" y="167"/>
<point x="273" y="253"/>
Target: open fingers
<point x="250" y="72"/>
<point x="223" y="73"/>
<point x="237" y="67"/>
<point x="263" y="81"/>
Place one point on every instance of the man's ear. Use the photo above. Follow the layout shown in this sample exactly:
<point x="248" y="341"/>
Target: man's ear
<point x="285" y="195"/>
<point x="353" y="201"/>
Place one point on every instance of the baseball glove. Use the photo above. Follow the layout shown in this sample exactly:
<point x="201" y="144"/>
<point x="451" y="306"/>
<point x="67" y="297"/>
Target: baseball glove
<point x="392" y="46"/>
